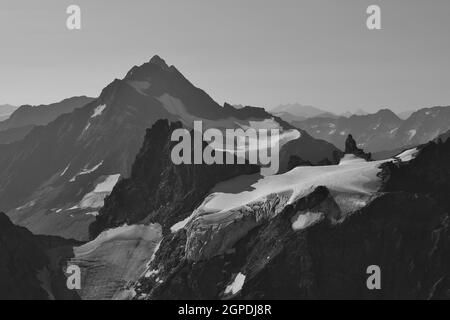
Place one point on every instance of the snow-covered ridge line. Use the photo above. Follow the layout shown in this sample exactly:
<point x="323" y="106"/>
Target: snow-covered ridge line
<point x="224" y="217"/>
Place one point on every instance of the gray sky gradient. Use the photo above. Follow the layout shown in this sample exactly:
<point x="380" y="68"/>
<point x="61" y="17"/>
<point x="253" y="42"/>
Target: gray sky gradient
<point x="253" y="52"/>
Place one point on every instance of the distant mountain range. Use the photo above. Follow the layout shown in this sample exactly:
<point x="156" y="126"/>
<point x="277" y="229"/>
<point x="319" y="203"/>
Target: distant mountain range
<point x="358" y="112"/>
<point x="297" y="112"/>
<point x="20" y="122"/>
<point x="54" y="181"/>
<point x="381" y="131"/>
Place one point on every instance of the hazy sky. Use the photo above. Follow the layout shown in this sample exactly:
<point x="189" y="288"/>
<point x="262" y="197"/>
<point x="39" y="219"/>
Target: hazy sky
<point x="253" y="52"/>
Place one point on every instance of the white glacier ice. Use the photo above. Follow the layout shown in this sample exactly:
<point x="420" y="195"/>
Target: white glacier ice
<point x="98" y="110"/>
<point x="237" y="284"/>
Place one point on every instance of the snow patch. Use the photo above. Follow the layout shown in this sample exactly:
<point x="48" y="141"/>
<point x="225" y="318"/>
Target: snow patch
<point x="237" y="284"/>
<point x="304" y="220"/>
<point x="411" y="134"/>
<point x="27" y="205"/>
<point x="180" y="225"/>
<point x="86" y="128"/>
<point x="133" y="232"/>
<point x="108" y="184"/>
<point x="393" y="131"/>
<point x="86" y="171"/>
<point x="65" y="170"/>
<point x="154" y="252"/>
<point x="95" y="198"/>
<point x="408" y="155"/>
<point x="150" y="273"/>
<point x="98" y="111"/>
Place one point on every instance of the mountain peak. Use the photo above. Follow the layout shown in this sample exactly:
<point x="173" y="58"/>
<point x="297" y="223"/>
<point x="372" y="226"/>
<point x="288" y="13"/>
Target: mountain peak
<point x="155" y="63"/>
<point x="387" y="113"/>
<point x="157" y="60"/>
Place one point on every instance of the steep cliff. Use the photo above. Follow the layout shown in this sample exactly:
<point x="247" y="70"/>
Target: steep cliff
<point x="158" y="190"/>
<point x="31" y="267"/>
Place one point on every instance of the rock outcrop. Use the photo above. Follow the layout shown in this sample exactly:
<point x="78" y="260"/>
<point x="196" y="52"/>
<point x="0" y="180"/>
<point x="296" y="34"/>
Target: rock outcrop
<point x="158" y="190"/>
<point x="352" y="148"/>
<point x="31" y="267"/>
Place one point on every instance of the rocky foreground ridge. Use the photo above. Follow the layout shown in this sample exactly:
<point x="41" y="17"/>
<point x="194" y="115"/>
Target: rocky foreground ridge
<point x="310" y="249"/>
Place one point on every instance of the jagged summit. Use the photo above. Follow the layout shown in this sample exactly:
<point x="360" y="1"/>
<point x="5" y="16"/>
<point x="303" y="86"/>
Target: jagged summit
<point x="157" y="60"/>
<point x="352" y="148"/>
<point x="154" y="64"/>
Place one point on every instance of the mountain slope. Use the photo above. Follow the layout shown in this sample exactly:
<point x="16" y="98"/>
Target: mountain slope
<point x="42" y="114"/>
<point x="56" y="179"/>
<point x="383" y="130"/>
<point x="24" y="118"/>
<point x="14" y="134"/>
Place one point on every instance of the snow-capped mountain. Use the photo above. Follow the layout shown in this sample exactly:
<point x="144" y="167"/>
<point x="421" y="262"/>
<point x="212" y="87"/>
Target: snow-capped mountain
<point x="55" y="180"/>
<point x="293" y="235"/>
<point x="20" y="122"/>
<point x="383" y="130"/>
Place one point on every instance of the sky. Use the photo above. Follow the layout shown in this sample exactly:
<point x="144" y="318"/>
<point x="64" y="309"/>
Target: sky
<point x="251" y="52"/>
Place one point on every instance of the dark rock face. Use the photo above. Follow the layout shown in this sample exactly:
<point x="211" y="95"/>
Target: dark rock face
<point x="324" y="262"/>
<point x="295" y="161"/>
<point x="350" y="145"/>
<point x="405" y="231"/>
<point x="31" y="266"/>
<point x="428" y="173"/>
<point x="352" y="148"/>
<point x="158" y="190"/>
